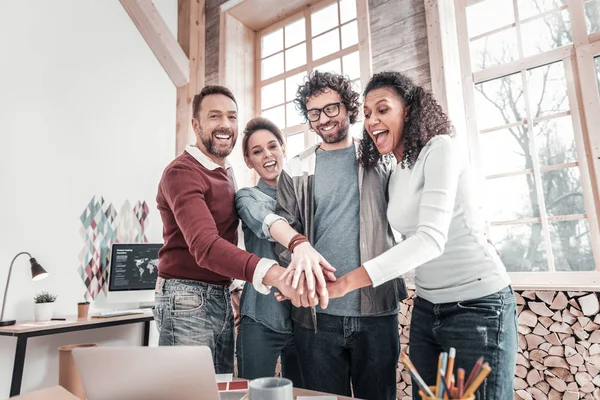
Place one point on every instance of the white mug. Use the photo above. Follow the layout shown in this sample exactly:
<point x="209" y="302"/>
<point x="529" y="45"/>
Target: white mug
<point x="271" y="389"/>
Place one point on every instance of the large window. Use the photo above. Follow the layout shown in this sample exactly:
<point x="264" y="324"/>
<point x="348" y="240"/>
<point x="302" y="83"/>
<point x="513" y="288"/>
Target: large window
<point x="326" y="37"/>
<point x="523" y="102"/>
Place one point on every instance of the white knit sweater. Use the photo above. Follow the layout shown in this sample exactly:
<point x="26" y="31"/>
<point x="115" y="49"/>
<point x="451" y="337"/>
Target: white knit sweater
<point x="434" y="206"/>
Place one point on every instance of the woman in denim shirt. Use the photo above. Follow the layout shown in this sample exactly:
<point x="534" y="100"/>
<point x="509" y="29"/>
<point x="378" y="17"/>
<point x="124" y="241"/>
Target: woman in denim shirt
<point x="265" y="330"/>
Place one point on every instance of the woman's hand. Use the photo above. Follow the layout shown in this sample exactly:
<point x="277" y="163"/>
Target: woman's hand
<point x="357" y="279"/>
<point x="303" y="295"/>
<point x="338" y="288"/>
<point x="310" y="266"/>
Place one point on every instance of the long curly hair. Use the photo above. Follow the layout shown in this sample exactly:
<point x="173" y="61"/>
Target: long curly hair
<point x="425" y="119"/>
<point x="318" y="82"/>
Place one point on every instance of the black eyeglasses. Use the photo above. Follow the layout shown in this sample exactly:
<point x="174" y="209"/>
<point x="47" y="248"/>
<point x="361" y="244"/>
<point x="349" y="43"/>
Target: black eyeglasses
<point x="331" y="110"/>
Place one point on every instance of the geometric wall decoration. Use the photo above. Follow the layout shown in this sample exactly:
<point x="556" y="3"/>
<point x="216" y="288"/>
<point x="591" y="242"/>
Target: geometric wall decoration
<point x="101" y="226"/>
<point x="141" y="212"/>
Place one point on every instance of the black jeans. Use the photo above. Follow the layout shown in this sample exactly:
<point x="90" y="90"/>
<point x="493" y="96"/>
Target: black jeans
<point x="486" y="327"/>
<point x="361" y="350"/>
<point x="258" y="348"/>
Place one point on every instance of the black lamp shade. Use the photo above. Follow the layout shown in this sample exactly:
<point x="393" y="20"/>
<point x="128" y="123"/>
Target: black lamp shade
<point x="37" y="271"/>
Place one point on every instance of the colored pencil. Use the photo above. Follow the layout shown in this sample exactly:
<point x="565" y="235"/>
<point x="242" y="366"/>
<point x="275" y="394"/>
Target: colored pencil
<point x="415" y="374"/>
<point x="450" y="366"/>
<point x="474" y="372"/>
<point x="485" y="370"/>
<point x="443" y="368"/>
<point x="444" y="388"/>
<point x="461" y="381"/>
<point x="437" y="379"/>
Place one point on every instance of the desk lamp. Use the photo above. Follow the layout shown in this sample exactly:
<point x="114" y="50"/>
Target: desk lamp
<point x="37" y="273"/>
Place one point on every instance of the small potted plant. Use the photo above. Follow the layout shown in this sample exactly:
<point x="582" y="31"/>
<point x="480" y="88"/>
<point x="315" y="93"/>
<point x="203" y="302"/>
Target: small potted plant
<point x="44" y="302"/>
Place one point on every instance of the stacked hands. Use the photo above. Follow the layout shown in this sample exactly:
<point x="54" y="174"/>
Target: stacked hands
<point x="309" y="279"/>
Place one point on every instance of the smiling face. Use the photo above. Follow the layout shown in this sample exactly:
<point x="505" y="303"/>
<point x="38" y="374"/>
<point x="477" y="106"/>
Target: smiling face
<point x="385" y="116"/>
<point x="265" y="155"/>
<point x="333" y="130"/>
<point x="216" y="127"/>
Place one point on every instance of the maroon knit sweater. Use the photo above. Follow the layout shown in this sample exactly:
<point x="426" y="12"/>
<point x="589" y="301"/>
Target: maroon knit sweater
<point x="200" y="223"/>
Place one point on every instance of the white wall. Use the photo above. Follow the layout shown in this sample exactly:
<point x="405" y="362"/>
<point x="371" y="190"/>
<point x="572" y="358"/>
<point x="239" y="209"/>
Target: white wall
<point x="85" y="109"/>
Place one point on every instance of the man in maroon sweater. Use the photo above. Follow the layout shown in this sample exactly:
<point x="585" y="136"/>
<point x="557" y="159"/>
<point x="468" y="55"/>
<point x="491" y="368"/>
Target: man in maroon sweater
<point x="200" y="257"/>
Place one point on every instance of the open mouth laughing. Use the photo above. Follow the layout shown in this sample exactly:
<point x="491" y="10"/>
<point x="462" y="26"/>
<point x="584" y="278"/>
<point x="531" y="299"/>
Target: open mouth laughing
<point x="270" y="166"/>
<point x="380" y="136"/>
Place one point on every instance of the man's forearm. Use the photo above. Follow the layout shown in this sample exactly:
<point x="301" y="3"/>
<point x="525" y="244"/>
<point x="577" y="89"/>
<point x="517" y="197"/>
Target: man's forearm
<point x="282" y="232"/>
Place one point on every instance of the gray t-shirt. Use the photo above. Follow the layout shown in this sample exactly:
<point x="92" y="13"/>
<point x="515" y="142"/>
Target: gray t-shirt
<point x="337" y="220"/>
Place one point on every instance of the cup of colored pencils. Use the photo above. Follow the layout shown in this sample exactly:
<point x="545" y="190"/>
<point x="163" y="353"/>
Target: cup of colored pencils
<point x="448" y="386"/>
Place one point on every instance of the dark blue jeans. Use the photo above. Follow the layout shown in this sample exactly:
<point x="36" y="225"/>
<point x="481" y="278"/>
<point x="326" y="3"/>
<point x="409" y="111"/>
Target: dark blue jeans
<point x="480" y="327"/>
<point x="193" y="313"/>
<point x="361" y="350"/>
<point x="258" y="348"/>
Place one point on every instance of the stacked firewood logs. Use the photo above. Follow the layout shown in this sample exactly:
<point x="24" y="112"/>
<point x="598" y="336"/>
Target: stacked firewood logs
<point x="559" y="346"/>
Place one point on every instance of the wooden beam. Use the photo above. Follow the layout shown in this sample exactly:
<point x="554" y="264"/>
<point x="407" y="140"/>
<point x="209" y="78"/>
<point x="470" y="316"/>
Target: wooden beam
<point x="237" y="52"/>
<point x="191" y="36"/>
<point x="445" y="63"/>
<point x="163" y="44"/>
<point x="259" y="14"/>
<point x="436" y="54"/>
<point x="364" y="44"/>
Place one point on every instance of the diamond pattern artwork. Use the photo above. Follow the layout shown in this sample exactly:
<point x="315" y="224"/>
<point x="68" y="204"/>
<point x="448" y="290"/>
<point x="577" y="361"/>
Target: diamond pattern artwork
<point x="101" y="226"/>
<point x="127" y="224"/>
<point x="141" y="213"/>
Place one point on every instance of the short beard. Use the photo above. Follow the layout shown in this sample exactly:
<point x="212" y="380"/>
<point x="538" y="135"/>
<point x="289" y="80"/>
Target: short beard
<point x="210" y="146"/>
<point x="342" y="134"/>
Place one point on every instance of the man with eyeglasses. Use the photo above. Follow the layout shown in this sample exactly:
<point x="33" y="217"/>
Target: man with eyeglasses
<point x="331" y="210"/>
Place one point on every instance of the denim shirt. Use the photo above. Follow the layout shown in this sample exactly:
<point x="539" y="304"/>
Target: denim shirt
<point x="253" y="205"/>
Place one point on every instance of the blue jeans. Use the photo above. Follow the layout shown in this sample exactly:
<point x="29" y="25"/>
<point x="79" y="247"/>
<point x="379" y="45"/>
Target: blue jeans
<point x="258" y="348"/>
<point x="486" y="327"/>
<point x="363" y="350"/>
<point x="193" y="313"/>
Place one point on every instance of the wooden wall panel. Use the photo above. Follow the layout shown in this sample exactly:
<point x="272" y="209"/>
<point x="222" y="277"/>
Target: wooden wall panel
<point x="399" y="38"/>
<point x="191" y="38"/>
<point x="237" y="72"/>
<point x="212" y="41"/>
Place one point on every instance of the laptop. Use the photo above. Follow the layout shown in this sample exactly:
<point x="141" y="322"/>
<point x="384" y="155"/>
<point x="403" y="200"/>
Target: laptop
<point x="149" y="373"/>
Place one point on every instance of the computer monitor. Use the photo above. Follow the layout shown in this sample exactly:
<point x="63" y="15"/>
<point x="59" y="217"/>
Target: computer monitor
<point x="132" y="272"/>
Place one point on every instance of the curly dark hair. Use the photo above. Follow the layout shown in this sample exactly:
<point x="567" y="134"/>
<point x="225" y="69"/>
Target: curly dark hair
<point x="256" y="124"/>
<point x="318" y="82"/>
<point x="425" y="119"/>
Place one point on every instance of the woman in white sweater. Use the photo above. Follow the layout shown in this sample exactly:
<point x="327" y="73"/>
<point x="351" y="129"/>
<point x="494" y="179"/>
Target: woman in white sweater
<point x="464" y="299"/>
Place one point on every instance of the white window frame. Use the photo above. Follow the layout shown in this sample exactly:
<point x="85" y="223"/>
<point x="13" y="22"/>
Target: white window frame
<point x="448" y="40"/>
<point x="363" y="47"/>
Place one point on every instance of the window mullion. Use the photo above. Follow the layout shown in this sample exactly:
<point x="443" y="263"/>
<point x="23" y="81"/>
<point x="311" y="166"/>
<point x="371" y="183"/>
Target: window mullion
<point x="537" y="175"/>
<point x="573" y="87"/>
<point x="339" y="29"/>
<point x="308" y="135"/>
<point x="578" y="27"/>
<point x="308" y="26"/>
<point x="468" y="88"/>
<point x="518" y="28"/>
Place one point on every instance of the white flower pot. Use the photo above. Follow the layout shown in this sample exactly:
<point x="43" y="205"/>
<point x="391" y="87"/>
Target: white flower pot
<point x="43" y="311"/>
